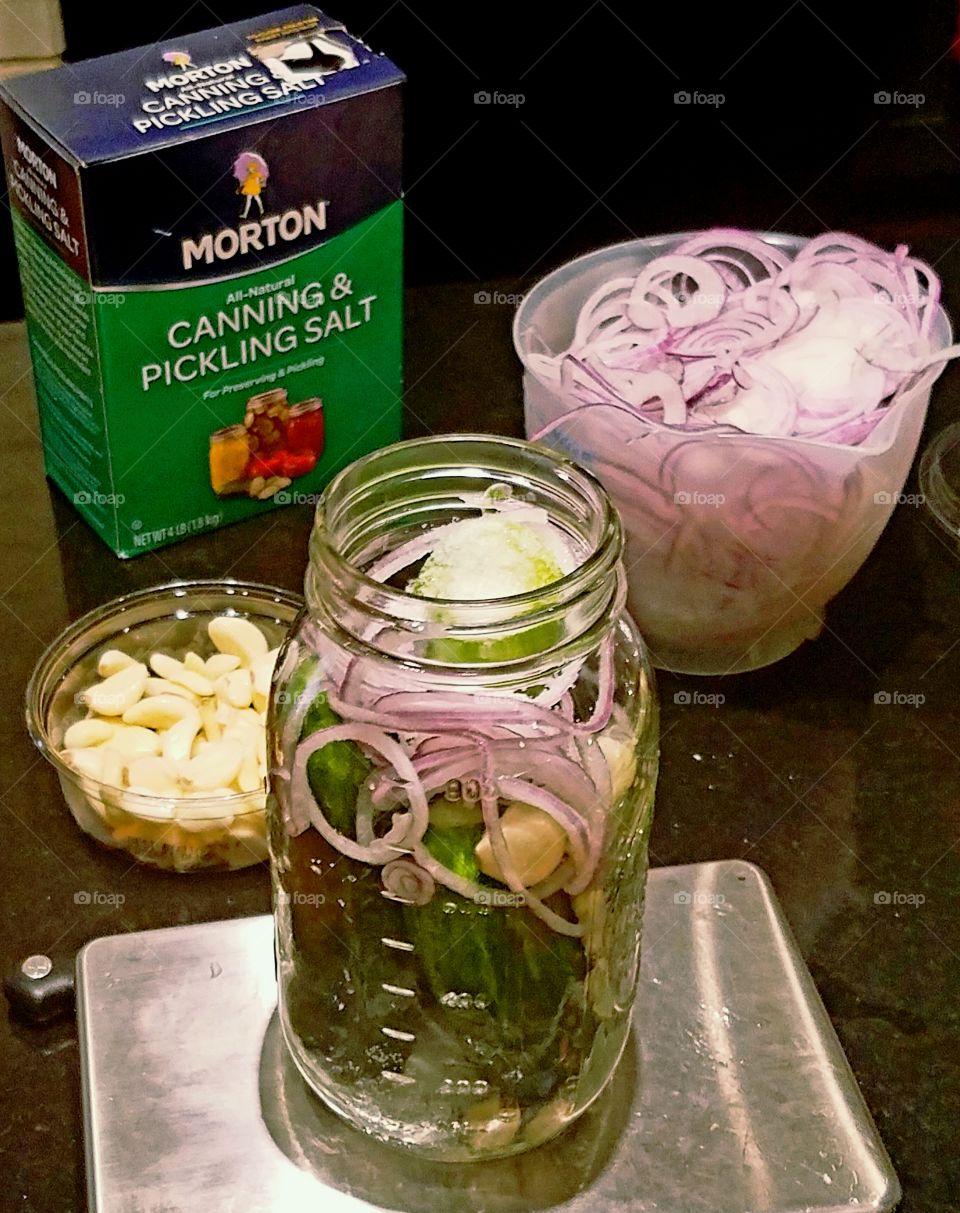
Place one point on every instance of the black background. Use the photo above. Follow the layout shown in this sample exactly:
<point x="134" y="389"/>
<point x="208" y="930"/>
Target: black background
<point x="599" y="151"/>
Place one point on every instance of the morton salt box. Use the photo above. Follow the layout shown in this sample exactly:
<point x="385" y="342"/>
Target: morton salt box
<point x="209" y="238"/>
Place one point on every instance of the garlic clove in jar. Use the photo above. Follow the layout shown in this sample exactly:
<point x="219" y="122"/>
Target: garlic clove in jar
<point x="534" y="841"/>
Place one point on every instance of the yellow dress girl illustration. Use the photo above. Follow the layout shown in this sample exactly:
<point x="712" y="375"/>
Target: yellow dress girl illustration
<point x="251" y="172"/>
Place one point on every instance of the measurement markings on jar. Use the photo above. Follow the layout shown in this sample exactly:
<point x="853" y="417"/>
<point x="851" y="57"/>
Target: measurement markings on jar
<point x="400" y="945"/>
<point x="396" y="1034"/>
<point x="402" y="990"/>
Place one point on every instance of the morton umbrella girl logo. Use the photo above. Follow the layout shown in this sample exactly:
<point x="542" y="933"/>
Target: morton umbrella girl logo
<point x="251" y="173"/>
<point x="179" y="59"/>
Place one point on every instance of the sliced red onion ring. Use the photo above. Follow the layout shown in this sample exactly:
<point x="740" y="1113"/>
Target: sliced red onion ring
<point x="407" y="828"/>
<point x="661" y="293"/>
<point x="408" y="882"/>
<point x="577" y="830"/>
<point x="635" y="335"/>
<point x="501" y="853"/>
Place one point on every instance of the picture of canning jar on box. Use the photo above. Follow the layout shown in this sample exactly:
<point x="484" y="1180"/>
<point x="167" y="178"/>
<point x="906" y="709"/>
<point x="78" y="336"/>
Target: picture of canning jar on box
<point x="276" y="443"/>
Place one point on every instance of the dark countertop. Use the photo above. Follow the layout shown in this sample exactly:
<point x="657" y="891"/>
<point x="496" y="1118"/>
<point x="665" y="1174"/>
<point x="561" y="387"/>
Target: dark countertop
<point x="797" y="770"/>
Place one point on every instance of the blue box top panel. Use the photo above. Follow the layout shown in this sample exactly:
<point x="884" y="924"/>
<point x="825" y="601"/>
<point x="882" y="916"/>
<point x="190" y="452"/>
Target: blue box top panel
<point x="143" y="99"/>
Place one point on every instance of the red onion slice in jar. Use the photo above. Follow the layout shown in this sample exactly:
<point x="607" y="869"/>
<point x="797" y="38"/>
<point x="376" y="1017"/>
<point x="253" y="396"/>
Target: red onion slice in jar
<point x="407" y="829"/>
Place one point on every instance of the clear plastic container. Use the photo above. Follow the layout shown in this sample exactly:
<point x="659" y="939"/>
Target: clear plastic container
<point x="435" y="1006"/>
<point x="735" y="543"/>
<point x="218" y="832"/>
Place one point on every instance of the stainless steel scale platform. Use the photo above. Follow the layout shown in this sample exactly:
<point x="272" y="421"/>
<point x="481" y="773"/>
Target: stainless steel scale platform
<point x="734" y="1095"/>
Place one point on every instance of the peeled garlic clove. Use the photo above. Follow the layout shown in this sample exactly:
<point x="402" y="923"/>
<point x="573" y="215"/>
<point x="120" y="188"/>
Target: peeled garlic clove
<point x="217" y="766"/>
<point x="262" y="753"/>
<point x="176" y="671"/>
<point x="132" y="741"/>
<point x="178" y="739"/>
<point x="113" y="766"/>
<point x="253" y="805"/>
<point x="87" y="733"/>
<point x="236" y="688"/>
<point x="162" y="686"/>
<point x="231" y="634"/>
<point x="208" y="719"/>
<point x="534" y="841"/>
<point x="195" y="664"/>
<point x="548" y="1121"/>
<point x="154" y="775"/>
<point x="622" y="762"/>
<point x="247" y="718"/>
<point x="153" y="808"/>
<point x="220" y="664"/>
<point x="113" y="661"/>
<point x="262" y="671"/>
<point x="492" y="1126"/>
<point x="159" y="711"/>
<point x="115" y="694"/>
<point x="202" y="814"/>
<point x="87" y="762"/>
<point x="248" y="777"/>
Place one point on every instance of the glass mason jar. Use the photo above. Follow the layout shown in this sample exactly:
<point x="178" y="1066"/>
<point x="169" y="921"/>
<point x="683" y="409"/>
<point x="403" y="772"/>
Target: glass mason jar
<point x="419" y="744"/>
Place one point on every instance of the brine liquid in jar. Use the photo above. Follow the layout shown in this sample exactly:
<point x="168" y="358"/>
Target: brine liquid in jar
<point x="463" y="758"/>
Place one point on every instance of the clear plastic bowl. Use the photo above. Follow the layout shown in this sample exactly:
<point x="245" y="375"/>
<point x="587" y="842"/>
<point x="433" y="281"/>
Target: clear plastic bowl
<point x="715" y="586"/>
<point x="226" y="832"/>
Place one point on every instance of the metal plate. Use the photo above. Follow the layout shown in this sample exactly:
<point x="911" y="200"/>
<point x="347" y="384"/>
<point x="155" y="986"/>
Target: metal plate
<point x="734" y="1096"/>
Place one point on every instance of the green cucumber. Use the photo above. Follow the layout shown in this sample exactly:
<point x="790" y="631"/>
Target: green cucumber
<point x="337" y="772"/>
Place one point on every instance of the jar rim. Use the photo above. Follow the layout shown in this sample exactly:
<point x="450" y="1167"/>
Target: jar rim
<point x="599" y="573"/>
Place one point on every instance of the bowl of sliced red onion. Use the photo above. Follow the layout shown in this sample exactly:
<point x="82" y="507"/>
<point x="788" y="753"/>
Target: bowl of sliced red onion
<point x="753" y="403"/>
